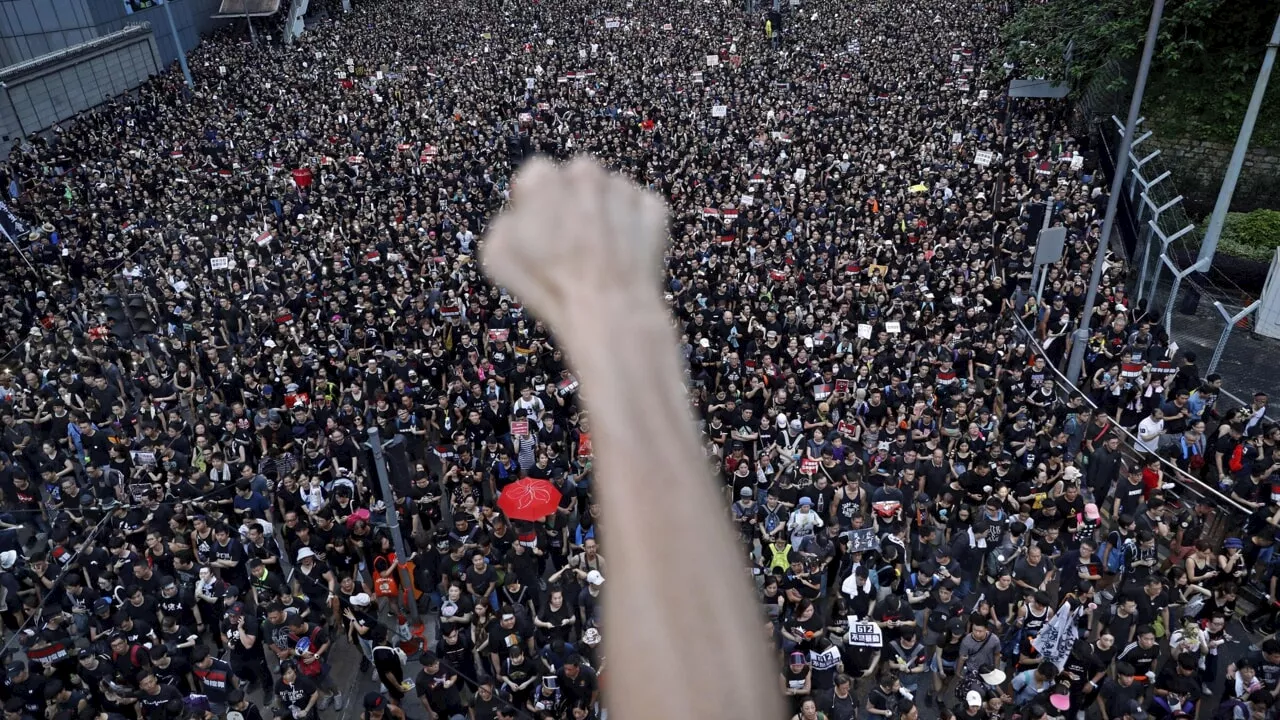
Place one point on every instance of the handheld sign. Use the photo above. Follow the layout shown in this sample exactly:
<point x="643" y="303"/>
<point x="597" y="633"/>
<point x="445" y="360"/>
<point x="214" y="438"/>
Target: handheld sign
<point x="862" y="540"/>
<point x="983" y="158"/>
<point x="893" y="327"/>
<point x="719" y="111"/>
<point x="864" y="331"/>
<point x="520" y="428"/>
<point x="219" y="263"/>
<point x="808" y="466"/>
<point x="864" y="634"/>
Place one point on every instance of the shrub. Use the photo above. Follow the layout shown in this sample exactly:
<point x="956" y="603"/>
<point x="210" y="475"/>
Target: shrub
<point x="1253" y="235"/>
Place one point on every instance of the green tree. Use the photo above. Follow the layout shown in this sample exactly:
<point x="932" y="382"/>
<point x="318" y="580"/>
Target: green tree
<point x="1203" y="70"/>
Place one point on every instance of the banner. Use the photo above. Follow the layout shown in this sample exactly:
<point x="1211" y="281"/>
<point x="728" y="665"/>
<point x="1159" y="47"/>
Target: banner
<point x="1056" y="638"/>
<point x="11" y="224"/>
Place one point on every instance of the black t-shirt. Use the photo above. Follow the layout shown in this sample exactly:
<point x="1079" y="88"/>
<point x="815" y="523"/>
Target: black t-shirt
<point x="153" y="706"/>
<point x="580" y="687"/>
<point x="441" y="699"/>
<point x="233" y="631"/>
<point x="297" y="694"/>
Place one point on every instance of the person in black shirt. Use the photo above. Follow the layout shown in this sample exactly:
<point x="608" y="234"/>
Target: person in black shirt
<point x="439" y="688"/>
<point x="297" y="693"/>
<point x="243" y="635"/>
<point x="156" y="701"/>
<point x="518" y="673"/>
<point x="578" y="681"/>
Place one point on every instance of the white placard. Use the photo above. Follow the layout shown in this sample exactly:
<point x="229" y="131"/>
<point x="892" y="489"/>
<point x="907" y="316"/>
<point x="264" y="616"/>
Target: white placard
<point x="983" y="158"/>
<point x="1077" y="162"/>
<point x="893" y="327"/>
<point x="955" y="57"/>
<point x="955" y="138"/>
<point x="582" y="53"/>
<point x="222" y="70"/>
<point x="719" y="111"/>
<point x="800" y="174"/>
<point x="612" y="23"/>
<point x="746" y="200"/>
<point x="528" y="83"/>
<point x="379" y="74"/>
<point x="864" y="634"/>
<point x="864" y="331"/>
<point x="220" y="263"/>
<point x="713" y="60"/>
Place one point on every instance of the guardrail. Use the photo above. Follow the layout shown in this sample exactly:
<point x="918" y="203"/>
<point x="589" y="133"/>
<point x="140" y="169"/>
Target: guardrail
<point x="1229" y="513"/>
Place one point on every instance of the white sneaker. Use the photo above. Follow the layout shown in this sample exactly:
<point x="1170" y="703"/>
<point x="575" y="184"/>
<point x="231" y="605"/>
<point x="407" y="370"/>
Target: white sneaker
<point x="325" y="701"/>
<point x="339" y="701"/>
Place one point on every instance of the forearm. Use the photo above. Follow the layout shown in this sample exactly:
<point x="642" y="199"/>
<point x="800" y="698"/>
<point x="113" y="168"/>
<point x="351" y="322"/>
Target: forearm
<point x="632" y="373"/>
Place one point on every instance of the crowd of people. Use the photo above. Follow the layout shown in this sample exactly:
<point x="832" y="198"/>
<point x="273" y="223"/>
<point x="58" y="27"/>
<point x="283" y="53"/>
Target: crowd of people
<point x="191" y="525"/>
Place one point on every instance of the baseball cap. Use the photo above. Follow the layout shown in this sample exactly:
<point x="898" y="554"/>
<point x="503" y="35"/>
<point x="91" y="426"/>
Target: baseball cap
<point x="973" y="699"/>
<point x="595" y="578"/>
<point x="360" y="600"/>
<point x="374" y="701"/>
<point x="1091" y="511"/>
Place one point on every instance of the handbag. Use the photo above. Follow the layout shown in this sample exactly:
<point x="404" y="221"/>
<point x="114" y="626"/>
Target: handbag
<point x="384" y="586"/>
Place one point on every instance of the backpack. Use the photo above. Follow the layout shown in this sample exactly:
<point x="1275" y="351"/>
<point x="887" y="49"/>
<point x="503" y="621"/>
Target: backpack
<point x="1113" y="553"/>
<point x="315" y="667"/>
<point x="1236" y="463"/>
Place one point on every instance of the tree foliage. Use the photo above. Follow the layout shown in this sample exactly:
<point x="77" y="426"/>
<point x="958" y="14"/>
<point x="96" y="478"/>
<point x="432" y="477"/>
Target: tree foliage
<point x="1206" y="59"/>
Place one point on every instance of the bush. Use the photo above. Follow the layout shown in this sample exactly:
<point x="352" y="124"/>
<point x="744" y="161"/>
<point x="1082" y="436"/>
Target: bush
<point x="1253" y="235"/>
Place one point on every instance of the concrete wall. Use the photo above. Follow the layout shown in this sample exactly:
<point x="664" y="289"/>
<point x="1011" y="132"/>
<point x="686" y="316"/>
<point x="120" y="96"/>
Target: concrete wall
<point x="1199" y="166"/>
<point x="31" y="28"/>
<point x="59" y="86"/>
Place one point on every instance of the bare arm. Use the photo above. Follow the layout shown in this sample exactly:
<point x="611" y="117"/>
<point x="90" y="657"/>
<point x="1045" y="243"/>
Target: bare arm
<point x="582" y="275"/>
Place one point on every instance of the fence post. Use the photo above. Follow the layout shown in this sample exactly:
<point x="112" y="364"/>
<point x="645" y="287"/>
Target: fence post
<point x="1165" y="242"/>
<point x="1178" y="276"/>
<point x="1226" y="331"/>
<point x="1147" y="231"/>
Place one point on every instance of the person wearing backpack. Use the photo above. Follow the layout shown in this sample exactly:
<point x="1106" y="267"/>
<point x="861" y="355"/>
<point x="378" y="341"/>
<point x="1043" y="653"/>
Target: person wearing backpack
<point x="311" y="647"/>
<point x="1116" y="550"/>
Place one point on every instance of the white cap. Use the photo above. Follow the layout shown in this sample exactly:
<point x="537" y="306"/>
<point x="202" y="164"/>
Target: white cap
<point x="361" y="600"/>
<point x="973" y="699"/>
<point x="595" y="578"/>
<point x="304" y="553"/>
<point x="8" y="558"/>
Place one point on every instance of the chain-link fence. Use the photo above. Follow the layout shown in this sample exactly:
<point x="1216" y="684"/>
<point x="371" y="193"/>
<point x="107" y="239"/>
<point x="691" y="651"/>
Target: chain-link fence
<point x="1205" y="313"/>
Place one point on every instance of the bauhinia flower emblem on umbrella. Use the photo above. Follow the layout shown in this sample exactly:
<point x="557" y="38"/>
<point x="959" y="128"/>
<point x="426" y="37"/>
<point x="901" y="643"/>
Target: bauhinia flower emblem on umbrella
<point x="529" y="499"/>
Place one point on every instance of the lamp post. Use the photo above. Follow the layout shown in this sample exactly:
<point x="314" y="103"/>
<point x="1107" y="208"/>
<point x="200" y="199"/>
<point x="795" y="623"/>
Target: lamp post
<point x="1081" y="336"/>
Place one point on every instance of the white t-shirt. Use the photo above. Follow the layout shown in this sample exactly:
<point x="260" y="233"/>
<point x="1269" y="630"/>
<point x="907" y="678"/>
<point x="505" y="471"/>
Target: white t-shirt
<point x="1149" y="426"/>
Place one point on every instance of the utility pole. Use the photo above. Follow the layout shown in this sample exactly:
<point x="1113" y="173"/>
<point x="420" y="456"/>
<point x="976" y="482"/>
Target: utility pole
<point x="253" y="36"/>
<point x="393" y="515"/>
<point x="1081" y="336"/>
<point x="177" y="43"/>
<point x="1210" y="243"/>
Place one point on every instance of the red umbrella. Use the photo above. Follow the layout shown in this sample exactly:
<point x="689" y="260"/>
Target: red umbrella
<point x="529" y="499"/>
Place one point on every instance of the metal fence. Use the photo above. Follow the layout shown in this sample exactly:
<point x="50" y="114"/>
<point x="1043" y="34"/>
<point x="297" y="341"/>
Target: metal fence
<point x="1229" y="516"/>
<point x="1206" y="313"/>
